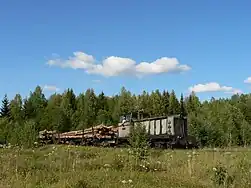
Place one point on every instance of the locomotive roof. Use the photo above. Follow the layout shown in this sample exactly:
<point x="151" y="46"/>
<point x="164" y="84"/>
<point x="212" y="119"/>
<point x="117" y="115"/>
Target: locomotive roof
<point x="159" y="117"/>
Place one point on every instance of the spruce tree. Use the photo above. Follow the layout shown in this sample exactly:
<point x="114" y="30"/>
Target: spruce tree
<point x="174" y="106"/>
<point x="68" y="107"/>
<point x="90" y="108"/>
<point x="182" y="107"/>
<point x="166" y="97"/>
<point x="5" y="109"/>
<point x="16" y="105"/>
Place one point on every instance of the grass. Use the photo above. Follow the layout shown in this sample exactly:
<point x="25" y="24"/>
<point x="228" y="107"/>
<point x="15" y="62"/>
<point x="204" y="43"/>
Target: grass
<point x="90" y="167"/>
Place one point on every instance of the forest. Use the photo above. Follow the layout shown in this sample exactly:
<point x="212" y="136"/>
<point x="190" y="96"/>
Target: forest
<point x="223" y="122"/>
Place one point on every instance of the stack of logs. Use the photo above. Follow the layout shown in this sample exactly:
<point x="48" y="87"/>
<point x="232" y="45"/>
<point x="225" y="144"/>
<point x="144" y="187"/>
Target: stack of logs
<point x="99" y="132"/>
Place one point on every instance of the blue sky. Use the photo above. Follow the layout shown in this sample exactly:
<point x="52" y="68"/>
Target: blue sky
<point x="209" y="41"/>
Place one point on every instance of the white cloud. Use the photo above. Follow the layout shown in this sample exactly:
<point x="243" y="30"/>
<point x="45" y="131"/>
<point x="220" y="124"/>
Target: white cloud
<point x="79" y="61"/>
<point x="115" y="66"/>
<point x="248" y="80"/>
<point x="213" y="87"/>
<point x="50" y="88"/>
<point x="161" y="65"/>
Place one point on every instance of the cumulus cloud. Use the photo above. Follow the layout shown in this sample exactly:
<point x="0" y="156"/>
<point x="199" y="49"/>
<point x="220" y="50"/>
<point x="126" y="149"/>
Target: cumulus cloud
<point x="50" y="88"/>
<point x="248" y="80"/>
<point x="213" y="87"/>
<point x="161" y="65"/>
<point x="78" y="61"/>
<point x="115" y="66"/>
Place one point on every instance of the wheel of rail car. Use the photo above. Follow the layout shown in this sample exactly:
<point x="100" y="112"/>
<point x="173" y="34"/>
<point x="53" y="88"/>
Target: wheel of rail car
<point x="163" y="146"/>
<point x="168" y="146"/>
<point x="158" y="145"/>
<point x="71" y="142"/>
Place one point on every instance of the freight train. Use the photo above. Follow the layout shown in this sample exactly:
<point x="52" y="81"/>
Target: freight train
<point x="162" y="132"/>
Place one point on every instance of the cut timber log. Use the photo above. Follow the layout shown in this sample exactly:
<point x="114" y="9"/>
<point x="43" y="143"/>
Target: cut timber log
<point x="98" y="132"/>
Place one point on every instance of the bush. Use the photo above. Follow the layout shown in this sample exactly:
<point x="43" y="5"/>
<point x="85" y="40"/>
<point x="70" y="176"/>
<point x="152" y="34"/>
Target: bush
<point x="19" y="134"/>
<point x="139" y="143"/>
<point x="3" y="130"/>
<point x="221" y="176"/>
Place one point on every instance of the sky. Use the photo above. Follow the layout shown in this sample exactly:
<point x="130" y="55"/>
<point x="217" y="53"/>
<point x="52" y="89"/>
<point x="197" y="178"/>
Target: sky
<point x="200" y="46"/>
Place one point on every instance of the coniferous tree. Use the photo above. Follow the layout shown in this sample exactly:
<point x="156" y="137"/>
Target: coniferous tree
<point x="28" y="109"/>
<point x="37" y="104"/>
<point x="174" y="106"/>
<point x="125" y="102"/>
<point x="68" y="108"/>
<point x="16" y="111"/>
<point x="52" y="115"/>
<point x="183" y="112"/>
<point x="90" y="108"/>
<point x="145" y="104"/>
<point x="157" y="103"/>
<point x="114" y="110"/>
<point x="166" y="103"/>
<point x="102" y="109"/>
<point x="5" y="109"/>
<point x="193" y="104"/>
<point x="80" y="111"/>
<point x="214" y="123"/>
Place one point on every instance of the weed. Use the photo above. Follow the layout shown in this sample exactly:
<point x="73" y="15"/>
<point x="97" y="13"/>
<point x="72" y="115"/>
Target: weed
<point x="77" y="167"/>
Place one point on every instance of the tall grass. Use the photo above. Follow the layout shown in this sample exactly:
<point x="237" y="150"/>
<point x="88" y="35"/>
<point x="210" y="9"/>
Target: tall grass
<point x="92" y="167"/>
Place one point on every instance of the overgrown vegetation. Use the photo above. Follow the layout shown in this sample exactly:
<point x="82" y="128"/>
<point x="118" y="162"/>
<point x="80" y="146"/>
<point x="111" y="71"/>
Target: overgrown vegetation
<point x="138" y="140"/>
<point x="78" y="167"/>
<point x="215" y="123"/>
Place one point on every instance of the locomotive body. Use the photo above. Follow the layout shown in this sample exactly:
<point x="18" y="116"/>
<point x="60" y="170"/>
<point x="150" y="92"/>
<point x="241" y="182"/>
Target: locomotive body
<point x="163" y="131"/>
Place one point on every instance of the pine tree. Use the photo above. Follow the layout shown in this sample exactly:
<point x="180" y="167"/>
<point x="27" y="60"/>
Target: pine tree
<point x="90" y="108"/>
<point x="80" y="111"/>
<point x="182" y="107"/>
<point x="125" y="102"/>
<point x="193" y="103"/>
<point x="215" y="122"/>
<point x="68" y="107"/>
<point x="166" y="103"/>
<point x="174" y="106"/>
<point x="52" y="116"/>
<point x="35" y="104"/>
<point x="5" y="109"/>
<point x="16" y="108"/>
<point x="102" y="101"/>
<point x="102" y="109"/>
<point x="157" y="103"/>
<point x="28" y="109"/>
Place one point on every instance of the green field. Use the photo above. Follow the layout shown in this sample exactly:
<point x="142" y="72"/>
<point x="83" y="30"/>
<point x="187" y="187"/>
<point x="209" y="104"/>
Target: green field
<point x="79" y="167"/>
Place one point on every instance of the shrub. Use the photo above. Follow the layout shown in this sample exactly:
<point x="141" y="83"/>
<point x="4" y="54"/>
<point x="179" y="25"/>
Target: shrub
<point x="139" y="142"/>
<point x="221" y="176"/>
<point x="21" y="134"/>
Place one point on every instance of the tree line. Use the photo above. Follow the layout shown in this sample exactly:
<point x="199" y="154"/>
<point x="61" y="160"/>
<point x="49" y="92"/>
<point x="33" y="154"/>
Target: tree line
<point x="214" y="123"/>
